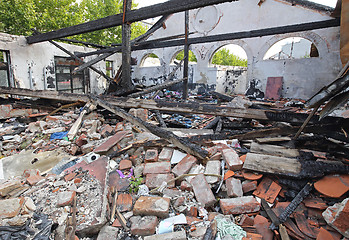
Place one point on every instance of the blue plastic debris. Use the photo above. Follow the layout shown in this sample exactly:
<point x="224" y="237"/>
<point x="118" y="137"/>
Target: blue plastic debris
<point x="58" y="135"/>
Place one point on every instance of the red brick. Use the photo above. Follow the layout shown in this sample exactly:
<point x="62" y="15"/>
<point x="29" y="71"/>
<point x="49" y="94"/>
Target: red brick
<point x="216" y="156"/>
<point x="185" y="186"/>
<point x="119" y="127"/>
<point x="143" y="226"/>
<point x="232" y="159"/>
<point x="125" y="164"/>
<point x="151" y="155"/>
<point x="262" y="226"/>
<point x="65" y="198"/>
<point x="191" y="220"/>
<point x="152" y="206"/>
<point x="166" y="154"/>
<point x="82" y="140"/>
<point x="234" y="188"/>
<point x="106" y="130"/>
<point x="118" y="183"/>
<point x="239" y="205"/>
<point x="337" y="216"/>
<point x="212" y="167"/>
<point x="124" y="202"/>
<point x="112" y="141"/>
<point x="193" y="211"/>
<point x="155" y="180"/>
<point x="157" y="167"/>
<point x="33" y="176"/>
<point x="77" y="180"/>
<point x="10" y="207"/>
<point x="248" y="186"/>
<point x="202" y="191"/>
<point x="184" y="165"/>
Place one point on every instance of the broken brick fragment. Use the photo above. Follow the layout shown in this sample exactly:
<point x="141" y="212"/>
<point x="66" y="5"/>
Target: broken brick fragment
<point x="111" y="142"/>
<point x="184" y="165"/>
<point x="157" y="167"/>
<point x="82" y="140"/>
<point x="125" y="164"/>
<point x="325" y="185"/>
<point x="239" y="205"/>
<point x="155" y="180"/>
<point x="151" y="155"/>
<point x="33" y="176"/>
<point x="246" y="220"/>
<point x="143" y="226"/>
<point x="124" y="202"/>
<point x="152" y="206"/>
<point x="106" y="130"/>
<point x="234" y="187"/>
<point x="70" y="176"/>
<point x="185" y="186"/>
<point x="262" y="226"/>
<point x="232" y="159"/>
<point x="202" y="191"/>
<point x="166" y="154"/>
<point x="249" y="186"/>
<point x="10" y="207"/>
<point x="337" y="216"/>
<point x="65" y="198"/>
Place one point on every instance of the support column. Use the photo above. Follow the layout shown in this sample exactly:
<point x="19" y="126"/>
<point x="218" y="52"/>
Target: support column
<point x="126" y="82"/>
<point x="186" y="57"/>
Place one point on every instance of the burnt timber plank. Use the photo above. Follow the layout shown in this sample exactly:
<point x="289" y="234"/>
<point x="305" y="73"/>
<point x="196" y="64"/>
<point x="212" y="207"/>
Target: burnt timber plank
<point x="156" y="10"/>
<point x="126" y="81"/>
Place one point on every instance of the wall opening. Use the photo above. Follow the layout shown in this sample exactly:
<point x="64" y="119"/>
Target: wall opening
<point x="65" y="80"/>
<point x="230" y="55"/>
<point x="150" y="60"/>
<point x="109" y="68"/>
<point x="4" y="68"/>
<point x="292" y="48"/>
<point x="178" y="57"/>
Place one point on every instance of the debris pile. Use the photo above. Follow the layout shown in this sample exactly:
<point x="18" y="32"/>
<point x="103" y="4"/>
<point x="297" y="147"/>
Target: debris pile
<point x="102" y="172"/>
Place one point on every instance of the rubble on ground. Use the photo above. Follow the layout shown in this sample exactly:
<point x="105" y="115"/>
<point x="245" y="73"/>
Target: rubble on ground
<point x="85" y="173"/>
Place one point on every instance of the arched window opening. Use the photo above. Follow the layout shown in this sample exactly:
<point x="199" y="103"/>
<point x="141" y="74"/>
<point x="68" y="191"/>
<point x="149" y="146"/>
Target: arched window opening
<point x="230" y="55"/>
<point x="180" y="55"/>
<point x="150" y="60"/>
<point x="292" y="48"/>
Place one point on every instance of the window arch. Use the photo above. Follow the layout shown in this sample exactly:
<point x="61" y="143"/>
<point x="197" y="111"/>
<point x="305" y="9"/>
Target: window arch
<point x="229" y="55"/>
<point x="150" y="60"/>
<point x="179" y="55"/>
<point x="292" y="48"/>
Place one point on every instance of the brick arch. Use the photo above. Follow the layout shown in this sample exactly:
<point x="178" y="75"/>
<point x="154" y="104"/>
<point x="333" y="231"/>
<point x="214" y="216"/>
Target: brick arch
<point x="146" y="55"/>
<point x="319" y="42"/>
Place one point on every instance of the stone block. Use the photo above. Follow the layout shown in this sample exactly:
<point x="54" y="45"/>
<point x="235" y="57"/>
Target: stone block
<point x="232" y="159"/>
<point x="151" y="155"/>
<point x="234" y="187"/>
<point x="202" y="191"/>
<point x="157" y="167"/>
<point x="239" y="205"/>
<point x="155" y="180"/>
<point x="181" y="235"/>
<point x="143" y="226"/>
<point x="184" y="165"/>
<point x="212" y="167"/>
<point x="152" y="206"/>
<point x="337" y="216"/>
<point x="166" y="154"/>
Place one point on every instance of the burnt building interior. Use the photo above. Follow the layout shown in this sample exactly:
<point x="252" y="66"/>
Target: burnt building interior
<point x="110" y="142"/>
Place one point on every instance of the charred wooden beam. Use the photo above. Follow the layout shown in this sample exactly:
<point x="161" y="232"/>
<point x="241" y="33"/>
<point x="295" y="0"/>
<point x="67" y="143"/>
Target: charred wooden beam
<point x="160" y="120"/>
<point x="156" y="10"/>
<point x="126" y="82"/>
<point x="188" y="107"/>
<point x="186" y="56"/>
<point x="181" y="143"/>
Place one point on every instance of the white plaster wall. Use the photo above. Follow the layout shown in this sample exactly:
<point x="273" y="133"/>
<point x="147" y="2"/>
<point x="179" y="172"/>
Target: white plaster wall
<point x="302" y="77"/>
<point x="32" y="65"/>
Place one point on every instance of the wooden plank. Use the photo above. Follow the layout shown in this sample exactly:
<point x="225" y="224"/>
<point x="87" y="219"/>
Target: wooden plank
<point x="126" y="82"/>
<point x="272" y="164"/>
<point x="274" y="150"/>
<point x="273" y="139"/>
<point x="156" y="10"/>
